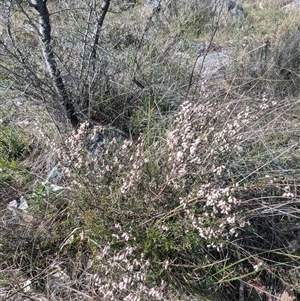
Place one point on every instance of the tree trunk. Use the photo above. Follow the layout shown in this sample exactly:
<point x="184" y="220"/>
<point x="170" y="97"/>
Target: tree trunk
<point x="45" y="36"/>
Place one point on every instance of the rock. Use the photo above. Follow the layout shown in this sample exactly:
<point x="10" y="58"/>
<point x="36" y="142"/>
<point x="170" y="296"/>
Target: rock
<point x="227" y="8"/>
<point x="212" y="70"/>
<point x="202" y="48"/>
<point x="293" y="5"/>
<point x="212" y="65"/>
<point x="235" y="9"/>
<point x="98" y="138"/>
<point x="155" y="4"/>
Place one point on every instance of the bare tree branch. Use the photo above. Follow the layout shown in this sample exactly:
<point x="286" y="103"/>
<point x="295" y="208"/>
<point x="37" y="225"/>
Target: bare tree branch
<point x="100" y="21"/>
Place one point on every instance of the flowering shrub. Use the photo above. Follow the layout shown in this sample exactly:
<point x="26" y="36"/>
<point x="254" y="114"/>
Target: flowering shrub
<point x="172" y="207"/>
<point x="185" y="176"/>
<point x="153" y="204"/>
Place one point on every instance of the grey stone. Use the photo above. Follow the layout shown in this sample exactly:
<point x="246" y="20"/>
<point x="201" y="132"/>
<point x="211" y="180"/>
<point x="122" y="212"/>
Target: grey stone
<point x="235" y="9"/>
<point x="205" y="47"/>
<point x="99" y="137"/>
<point x="213" y="65"/>
<point x="295" y="4"/>
<point x="154" y="4"/>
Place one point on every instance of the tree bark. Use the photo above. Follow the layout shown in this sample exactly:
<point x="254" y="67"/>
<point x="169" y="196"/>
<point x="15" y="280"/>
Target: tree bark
<point x="45" y="36"/>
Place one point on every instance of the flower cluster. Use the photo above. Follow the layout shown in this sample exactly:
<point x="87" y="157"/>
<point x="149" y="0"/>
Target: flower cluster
<point x="92" y="154"/>
<point x="201" y="143"/>
<point x="124" y="274"/>
<point x="134" y="175"/>
<point x="215" y="213"/>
